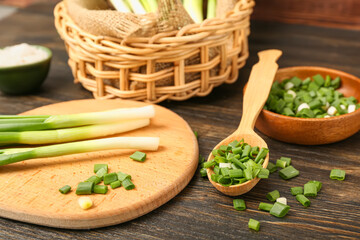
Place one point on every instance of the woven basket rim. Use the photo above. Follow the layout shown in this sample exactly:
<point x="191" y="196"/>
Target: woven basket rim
<point x="181" y="36"/>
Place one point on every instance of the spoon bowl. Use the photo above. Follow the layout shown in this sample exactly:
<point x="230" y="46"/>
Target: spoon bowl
<point x="234" y="190"/>
<point x="259" y="85"/>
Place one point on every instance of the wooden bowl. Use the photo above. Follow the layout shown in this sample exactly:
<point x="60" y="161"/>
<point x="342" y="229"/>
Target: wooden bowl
<point x="312" y="131"/>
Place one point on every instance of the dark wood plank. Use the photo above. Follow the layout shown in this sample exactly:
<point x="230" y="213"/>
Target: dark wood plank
<point x="333" y="13"/>
<point x="199" y="211"/>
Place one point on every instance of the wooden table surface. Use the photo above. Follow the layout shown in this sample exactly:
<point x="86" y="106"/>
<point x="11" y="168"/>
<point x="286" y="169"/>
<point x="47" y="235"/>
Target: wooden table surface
<point x="199" y="211"/>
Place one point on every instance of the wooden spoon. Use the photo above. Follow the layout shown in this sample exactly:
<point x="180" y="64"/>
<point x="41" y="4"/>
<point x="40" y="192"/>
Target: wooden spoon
<point x="256" y="94"/>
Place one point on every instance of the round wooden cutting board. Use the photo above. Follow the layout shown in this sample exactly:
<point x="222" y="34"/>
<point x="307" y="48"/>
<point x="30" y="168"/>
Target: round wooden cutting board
<point x="29" y="190"/>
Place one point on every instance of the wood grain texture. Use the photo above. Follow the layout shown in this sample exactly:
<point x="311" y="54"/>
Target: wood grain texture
<point x="313" y="131"/>
<point x="163" y="175"/>
<point x="200" y="211"/>
<point x="331" y="13"/>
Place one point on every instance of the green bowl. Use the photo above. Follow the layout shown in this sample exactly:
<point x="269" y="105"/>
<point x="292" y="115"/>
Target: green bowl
<point x="23" y="79"/>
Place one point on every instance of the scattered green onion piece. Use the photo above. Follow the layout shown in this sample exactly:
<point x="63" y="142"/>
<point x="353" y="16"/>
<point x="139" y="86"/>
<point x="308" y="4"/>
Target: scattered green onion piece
<point x="100" y="165"/>
<point x="110" y="177"/>
<point x="101" y="173"/>
<point x="234" y="144"/>
<point x="115" y="184"/>
<point x="100" y="189"/>
<point x="225" y="171"/>
<point x="95" y="179"/>
<point x="279" y="210"/>
<point x="128" y="185"/>
<point x="262" y="154"/>
<point x="240" y="180"/>
<point x="217" y="169"/>
<point x="138" y="156"/>
<point x="288" y="172"/>
<point x="318" y="185"/>
<point x="246" y="151"/>
<point x="65" y="189"/>
<point x="203" y="172"/>
<point x="239" y="204"/>
<point x="239" y="164"/>
<point x="337" y="174"/>
<point x="214" y="177"/>
<point x="303" y="200"/>
<point x="271" y="167"/>
<point x="209" y="164"/>
<point x="225" y="181"/>
<point x="236" y="173"/>
<point x="281" y="163"/>
<point x="272" y="196"/>
<point x="265" y="206"/>
<point x="264" y="173"/>
<point x="297" y="190"/>
<point x="224" y="148"/>
<point x="310" y="190"/>
<point x="287" y="160"/>
<point x="84" y="188"/>
<point x="248" y="173"/>
<point x="237" y="150"/>
<point x="254" y="224"/>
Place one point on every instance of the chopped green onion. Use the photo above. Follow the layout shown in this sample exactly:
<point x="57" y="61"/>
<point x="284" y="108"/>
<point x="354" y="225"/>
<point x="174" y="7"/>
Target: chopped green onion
<point x="122" y="176"/>
<point x="214" y="177"/>
<point x="203" y="172"/>
<point x="303" y="200"/>
<point x="337" y="174"/>
<point x="65" y="189"/>
<point x="85" y="202"/>
<point x="110" y="177"/>
<point x="280" y="163"/>
<point x="265" y="206"/>
<point x="297" y="190"/>
<point x="128" y="185"/>
<point x="310" y="190"/>
<point x="246" y="151"/>
<point x="225" y="181"/>
<point x="138" y="156"/>
<point x="100" y="165"/>
<point x="254" y="224"/>
<point x="262" y="154"/>
<point x="209" y="164"/>
<point x="95" y="179"/>
<point x="279" y="210"/>
<point x="318" y="185"/>
<point x="264" y="173"/>
<point x="100" y="189"/>
<point x="239" y="204"/>
<point x="236" y="173"/>
<point x="288" y="172"/>
<point x="115" y="184"/>
<point x="248" y="173"/>
<point x="271" y="167"/>
<point x="287" y="160"/>
<point x="101" y="173"/>
<point x="272" y="196"/>
<point x="84" y="188"/>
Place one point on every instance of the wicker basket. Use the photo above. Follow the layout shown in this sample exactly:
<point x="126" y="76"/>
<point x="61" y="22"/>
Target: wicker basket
<point x="106" y="66"/>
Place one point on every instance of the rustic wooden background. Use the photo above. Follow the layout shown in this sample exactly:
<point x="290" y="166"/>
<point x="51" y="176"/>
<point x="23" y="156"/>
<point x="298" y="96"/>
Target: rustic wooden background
<point x="331" y="13"/>
<point x="199" y="211"/>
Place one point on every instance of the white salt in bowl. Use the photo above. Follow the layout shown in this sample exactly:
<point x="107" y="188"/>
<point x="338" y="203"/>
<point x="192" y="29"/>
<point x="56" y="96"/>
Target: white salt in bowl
<point x="23" y="68"/>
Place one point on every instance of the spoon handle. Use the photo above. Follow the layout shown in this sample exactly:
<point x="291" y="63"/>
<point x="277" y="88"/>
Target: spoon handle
<point x="258" y="88"/>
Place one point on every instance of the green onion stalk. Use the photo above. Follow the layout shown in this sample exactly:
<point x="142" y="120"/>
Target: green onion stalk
<point x="211" y="9"/>
<point x="71" y="134"/>
<point x="80" y="119"/>
<point x="8" y="156"/>
<point x="195" y="9"/>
